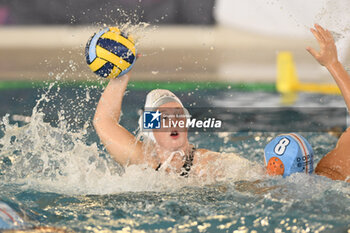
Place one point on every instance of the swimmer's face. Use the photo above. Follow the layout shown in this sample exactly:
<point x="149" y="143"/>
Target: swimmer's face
<point x="171" y="136"/>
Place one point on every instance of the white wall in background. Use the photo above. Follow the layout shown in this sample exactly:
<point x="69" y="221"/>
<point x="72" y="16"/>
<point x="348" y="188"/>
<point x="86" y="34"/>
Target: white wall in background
<point x="280" y="17"/>
<point x="288" y="17"/>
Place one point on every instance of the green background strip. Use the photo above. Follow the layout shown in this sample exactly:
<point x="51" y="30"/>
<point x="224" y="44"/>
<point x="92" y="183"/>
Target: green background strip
<point x="146" y="85"/>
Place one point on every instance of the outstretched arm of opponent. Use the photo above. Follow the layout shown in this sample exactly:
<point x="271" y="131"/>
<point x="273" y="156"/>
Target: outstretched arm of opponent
<point x="327" y="56"/>
<point x="336" y="164"/>
<point x="120" y="143"/>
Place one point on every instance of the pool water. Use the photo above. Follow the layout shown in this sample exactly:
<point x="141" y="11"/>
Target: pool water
<point x="54" y="171"/>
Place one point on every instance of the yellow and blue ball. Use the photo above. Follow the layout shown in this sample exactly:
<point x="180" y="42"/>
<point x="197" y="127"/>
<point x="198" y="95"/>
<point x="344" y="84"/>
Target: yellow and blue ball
<point x="110" y="53"/>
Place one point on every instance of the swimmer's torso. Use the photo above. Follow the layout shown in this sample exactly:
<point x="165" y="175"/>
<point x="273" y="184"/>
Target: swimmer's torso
<point x="191" y="163"/>
<point x="187" y="164"/>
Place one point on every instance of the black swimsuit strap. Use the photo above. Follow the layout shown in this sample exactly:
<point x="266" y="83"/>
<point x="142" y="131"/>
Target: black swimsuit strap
<point x="187" y="165"/>
<point x="160" y="164"/>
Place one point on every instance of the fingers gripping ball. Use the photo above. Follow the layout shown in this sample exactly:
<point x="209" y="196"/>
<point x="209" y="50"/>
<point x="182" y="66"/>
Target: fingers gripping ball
<point x="287" y="154"/>
<point x="110" y="53"/>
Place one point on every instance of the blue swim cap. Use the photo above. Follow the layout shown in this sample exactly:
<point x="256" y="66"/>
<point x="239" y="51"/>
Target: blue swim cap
<point x="287" y="154"/>
<point x="9" y="219"/>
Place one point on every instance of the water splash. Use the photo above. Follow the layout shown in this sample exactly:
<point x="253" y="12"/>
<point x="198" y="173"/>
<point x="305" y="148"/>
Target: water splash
<point x="55" y="159"/>
<point x="59" y="156"/>
<point x="52" y="151"/>
<point x="45" y="167"/>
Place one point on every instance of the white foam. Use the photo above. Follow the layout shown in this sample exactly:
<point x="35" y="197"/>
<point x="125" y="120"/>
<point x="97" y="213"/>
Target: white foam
<point x="55" y="159"/>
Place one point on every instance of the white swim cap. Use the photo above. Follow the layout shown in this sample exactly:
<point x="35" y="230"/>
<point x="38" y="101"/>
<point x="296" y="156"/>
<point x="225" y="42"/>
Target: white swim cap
<point x="158" y="97"/>
<point x="154" y="99"/>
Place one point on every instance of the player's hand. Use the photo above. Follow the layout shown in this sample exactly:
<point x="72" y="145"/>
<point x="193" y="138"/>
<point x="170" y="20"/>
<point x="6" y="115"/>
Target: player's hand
<point x="328" y="51"/>
<point x="127" y="75"/>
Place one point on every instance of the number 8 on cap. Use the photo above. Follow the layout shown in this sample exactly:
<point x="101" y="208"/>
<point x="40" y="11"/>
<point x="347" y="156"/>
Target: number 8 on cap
<point x="287" y="154"/>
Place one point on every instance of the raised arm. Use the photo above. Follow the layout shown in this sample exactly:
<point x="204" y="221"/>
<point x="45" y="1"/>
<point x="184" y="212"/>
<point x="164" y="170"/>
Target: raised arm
<point x="336" y="164"/>
<point x="120" y="143"/>
<point x="327" y="56"/>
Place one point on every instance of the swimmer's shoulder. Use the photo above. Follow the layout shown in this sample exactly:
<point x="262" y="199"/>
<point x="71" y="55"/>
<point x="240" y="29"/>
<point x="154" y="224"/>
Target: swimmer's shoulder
<point x="201" y="152"/>
<point x="336" y="164"/>
<point x="202" y="159"/>
<point x="205" y="156"/>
